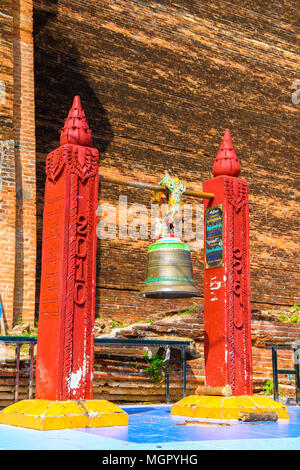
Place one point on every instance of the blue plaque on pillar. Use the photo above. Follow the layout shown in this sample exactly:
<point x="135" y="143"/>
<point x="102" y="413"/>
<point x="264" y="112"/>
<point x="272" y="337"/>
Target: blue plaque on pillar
<point x="214" y="237"/>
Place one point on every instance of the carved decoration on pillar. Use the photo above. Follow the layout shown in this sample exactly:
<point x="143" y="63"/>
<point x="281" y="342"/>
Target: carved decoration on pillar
<point x="81" y="161"/>
<point x="236" y="195"/>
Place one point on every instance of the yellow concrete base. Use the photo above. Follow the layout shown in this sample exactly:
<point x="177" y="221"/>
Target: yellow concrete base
<point x="213" y="407"/>
<point x="45" y="414"/>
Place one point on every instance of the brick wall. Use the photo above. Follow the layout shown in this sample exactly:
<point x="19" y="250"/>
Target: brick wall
<point x="24" y="138"/>
<point x="7" y="162"/>
<point x="120" y="374"/>
<point x="159" y="82"/>
<point x="17" y="164"/>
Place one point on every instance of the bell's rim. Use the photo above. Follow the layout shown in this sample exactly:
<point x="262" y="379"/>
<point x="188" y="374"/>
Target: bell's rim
<point x="169" y="294"/>
<point x="172" y="291"/>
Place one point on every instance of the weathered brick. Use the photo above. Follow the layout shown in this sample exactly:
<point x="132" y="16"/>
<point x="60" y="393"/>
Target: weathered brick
<point x="17" y="168"/>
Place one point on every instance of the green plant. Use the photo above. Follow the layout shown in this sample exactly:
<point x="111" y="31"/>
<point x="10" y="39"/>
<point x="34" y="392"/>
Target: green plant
<point x="268" y="388"/>
<point x="117" y="323"/>
<point x="290" y="316"/>
<point x="26" y="333"/>
<point x="134" y="363"/>
<point x="156" y="368"/>
<point x="282" y="316"/>
<point x="188" y="311"/>
<point x="295" y="318"/>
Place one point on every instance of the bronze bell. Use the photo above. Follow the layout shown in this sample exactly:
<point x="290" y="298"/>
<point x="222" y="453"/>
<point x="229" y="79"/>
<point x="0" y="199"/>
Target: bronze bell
<point x="169" y="271"/>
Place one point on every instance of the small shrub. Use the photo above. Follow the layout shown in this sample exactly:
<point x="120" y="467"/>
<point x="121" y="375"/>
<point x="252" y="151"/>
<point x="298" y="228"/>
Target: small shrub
<point x="188" y="311"/>
<point x="290" y="316"/>
<point x="117" y="323"/>
<point x="268" y="388"/>
<point x="156" y="368"/>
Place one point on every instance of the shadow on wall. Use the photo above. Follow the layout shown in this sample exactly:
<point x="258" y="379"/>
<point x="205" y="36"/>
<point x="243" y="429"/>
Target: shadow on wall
<point x="59" y="75"/>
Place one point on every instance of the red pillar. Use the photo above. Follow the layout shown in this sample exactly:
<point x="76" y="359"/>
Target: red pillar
<point x="227" y="312"/>
<point x="65" y="350"/>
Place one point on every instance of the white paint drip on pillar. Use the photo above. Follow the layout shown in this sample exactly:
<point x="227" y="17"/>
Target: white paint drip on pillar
<point x="75" y="380"/>
<point x="214" y="285"/>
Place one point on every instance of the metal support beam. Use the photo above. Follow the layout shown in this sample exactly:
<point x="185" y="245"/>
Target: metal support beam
<point x="152" y="187"/>
<point x="17" y="379"/>
<point x="168" y="375"/>
<point x="31" y="370"/>
<point x="184" y="370"/>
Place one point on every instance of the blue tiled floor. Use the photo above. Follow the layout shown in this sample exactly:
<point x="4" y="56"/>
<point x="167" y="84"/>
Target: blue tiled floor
<point x="152" y="427"/>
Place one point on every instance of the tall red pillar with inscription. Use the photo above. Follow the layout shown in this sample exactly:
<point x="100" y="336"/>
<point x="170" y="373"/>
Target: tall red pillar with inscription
<point x="227" y="312"/>
<point x="67" y="299"/>
<point x="65" y="349"/>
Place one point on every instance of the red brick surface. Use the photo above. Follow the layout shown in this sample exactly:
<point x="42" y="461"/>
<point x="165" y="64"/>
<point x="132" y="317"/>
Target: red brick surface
<point x="120" y="373"/>
<point x="17" y="149"/>
<point x="160" y="81"/>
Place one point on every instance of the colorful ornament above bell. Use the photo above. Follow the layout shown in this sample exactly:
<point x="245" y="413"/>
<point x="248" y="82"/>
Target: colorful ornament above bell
<point x="169" y="268"/>
<point x="168" y="217"/>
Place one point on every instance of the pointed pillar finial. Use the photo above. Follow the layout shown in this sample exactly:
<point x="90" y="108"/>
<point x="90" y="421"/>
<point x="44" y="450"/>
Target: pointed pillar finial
<point x="76" y="129"/>
<point x="226" y="162"/>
